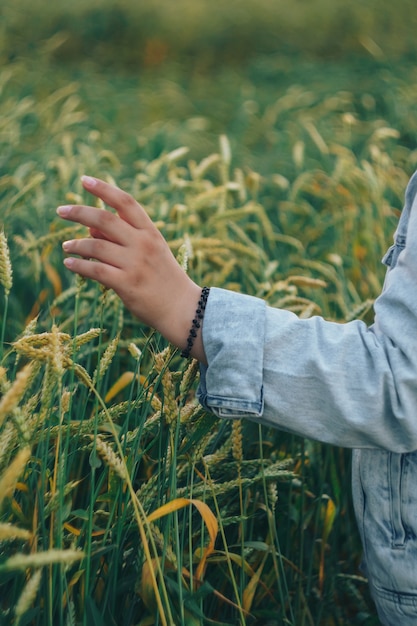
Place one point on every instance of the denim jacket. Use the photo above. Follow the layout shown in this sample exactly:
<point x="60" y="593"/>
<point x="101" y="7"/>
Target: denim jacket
<point x="346" y="384"/>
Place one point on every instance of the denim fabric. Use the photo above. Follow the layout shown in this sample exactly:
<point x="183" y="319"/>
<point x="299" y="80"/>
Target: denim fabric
<point x="345" y="384"/>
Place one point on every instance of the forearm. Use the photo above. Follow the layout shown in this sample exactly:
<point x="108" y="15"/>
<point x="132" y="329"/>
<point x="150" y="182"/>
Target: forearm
<point x="175" y="325"/>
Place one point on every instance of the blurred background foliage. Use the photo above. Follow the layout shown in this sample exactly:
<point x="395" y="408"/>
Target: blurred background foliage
<point x="204" y="33"/>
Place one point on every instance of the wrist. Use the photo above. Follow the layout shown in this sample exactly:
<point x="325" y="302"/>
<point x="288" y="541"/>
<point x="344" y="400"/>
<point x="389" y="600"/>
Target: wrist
<point x="182" y="317"/>
<point x="196" y="324"/>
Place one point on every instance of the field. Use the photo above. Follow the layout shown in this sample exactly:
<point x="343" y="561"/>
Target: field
<point x="272" y="147"/>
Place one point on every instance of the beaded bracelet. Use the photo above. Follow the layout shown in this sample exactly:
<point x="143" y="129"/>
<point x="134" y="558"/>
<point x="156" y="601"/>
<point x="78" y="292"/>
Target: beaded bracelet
<point x="199" y="314"/>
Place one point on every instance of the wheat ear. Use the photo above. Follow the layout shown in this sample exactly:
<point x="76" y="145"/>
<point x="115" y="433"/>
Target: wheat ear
<point x="6" y="273"/>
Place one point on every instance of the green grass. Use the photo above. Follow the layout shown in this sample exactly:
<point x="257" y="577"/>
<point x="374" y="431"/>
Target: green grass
<point x="284" y="175"/>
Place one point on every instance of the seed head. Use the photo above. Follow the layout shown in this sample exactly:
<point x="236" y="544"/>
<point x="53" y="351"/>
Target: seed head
<point x="6" y="273"/>
<point x="14" y="394"/>
<point x="10" y="476"/>
<point x="27" y="596"/>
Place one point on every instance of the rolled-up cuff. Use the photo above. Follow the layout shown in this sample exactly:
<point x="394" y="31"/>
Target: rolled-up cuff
<point x="231" y="386"/>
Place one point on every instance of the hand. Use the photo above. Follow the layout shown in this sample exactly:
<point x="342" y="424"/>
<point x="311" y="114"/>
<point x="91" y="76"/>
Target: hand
<point x="127" y="253"/>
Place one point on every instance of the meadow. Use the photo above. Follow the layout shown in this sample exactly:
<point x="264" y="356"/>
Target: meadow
<point x="272" y="148"/>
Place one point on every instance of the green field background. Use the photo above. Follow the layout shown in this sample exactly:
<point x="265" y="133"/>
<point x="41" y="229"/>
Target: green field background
<point x="272" y="143"/>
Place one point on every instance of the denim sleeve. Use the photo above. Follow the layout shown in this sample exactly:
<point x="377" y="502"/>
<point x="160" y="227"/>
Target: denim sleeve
<point x="345" y="384"/>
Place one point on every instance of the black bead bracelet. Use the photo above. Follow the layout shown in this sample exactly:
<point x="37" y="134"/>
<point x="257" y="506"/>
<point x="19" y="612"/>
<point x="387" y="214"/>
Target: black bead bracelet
<point x="199" y="314"/>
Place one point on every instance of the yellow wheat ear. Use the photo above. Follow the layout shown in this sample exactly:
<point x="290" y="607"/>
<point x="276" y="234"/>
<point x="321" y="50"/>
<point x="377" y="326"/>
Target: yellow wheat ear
<point x="27" y="596"/>
<point x="41" y="559"/>
<point x="9" y="532"/>
<point x="6" y="273"/>
<point x="13" y="395"/>
<point x="11" y="474"/>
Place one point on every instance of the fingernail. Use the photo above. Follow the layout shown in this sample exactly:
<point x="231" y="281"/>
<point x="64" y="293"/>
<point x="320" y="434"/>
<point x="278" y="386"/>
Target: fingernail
<point x="66" y="245"/>
<point x="63" y="210"/>
<point x="69" y="262"/>
<point x="88" y="181"/>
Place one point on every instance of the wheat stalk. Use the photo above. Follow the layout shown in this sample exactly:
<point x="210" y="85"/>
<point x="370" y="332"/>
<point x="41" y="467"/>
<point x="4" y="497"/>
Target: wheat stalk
<point x="10" y="476"/>
<point x="200" y="446"/>
<point x="22" y="419"/>
<point x="237" y="448"/>
<point x="106" y="359"/>
<point x="272" y="495"/>
<point x="31" y="244"/>
<point x="6" y="273"/>
<point x="170" y="406"/>
<point x="56" y="352"/>
<point x="84" y="338"/>
<point x="50" y="380"/>
<point x="71" y="618"/>
<point x="161" y="543"/>
<point x="14" y="394"/>
<point x="41" y="559"/>
<point x="7" y="440"/>
<point x="27" y="596"/>
<point x="188" y="379"/>
<point x="219" y="455"/>
<point x="190" y="411"/>
<point x="107" y="453"/>
<point x="134" y="351"/>
<point x="223" y="488"/>
<point x="8" y="532"/>
<point x="55" y="499"/>
<point x="4" y="383"/>
<point x="65" y="403"/>
<point x="30" y="327"/>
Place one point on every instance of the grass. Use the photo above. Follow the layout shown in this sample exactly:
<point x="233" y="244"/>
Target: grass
<point x="122" y="501"/>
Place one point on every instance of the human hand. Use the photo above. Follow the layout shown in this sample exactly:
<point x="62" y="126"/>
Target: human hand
<point x="127" y="253"/>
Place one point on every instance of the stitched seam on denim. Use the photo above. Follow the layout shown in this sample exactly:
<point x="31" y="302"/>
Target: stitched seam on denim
<point x="394" y="470"/>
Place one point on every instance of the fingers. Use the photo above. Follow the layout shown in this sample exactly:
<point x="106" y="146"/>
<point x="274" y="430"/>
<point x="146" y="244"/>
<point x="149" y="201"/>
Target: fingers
<point x="126" y="206"/>
<point x="105" y="274"/>
<point x="99" y="249"/>
<point x="114" y="238"/>
<point x="109" y="225"/>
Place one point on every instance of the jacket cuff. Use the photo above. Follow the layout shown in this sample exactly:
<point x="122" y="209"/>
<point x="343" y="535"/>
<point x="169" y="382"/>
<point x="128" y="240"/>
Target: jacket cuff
<point x="233" y="336"/>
